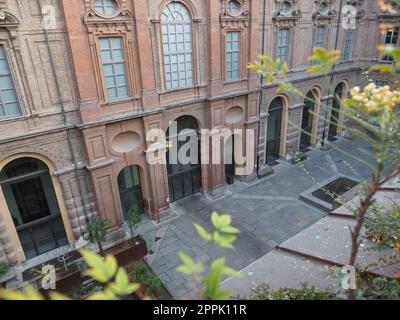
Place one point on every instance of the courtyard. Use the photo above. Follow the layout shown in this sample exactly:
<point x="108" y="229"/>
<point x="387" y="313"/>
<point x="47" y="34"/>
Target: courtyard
<point x="268" y="212"/>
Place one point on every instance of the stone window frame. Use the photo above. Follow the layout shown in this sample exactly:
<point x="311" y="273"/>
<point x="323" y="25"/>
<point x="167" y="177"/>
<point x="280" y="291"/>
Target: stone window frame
<point x="9" y="39"/>
<point x="235" y="23"/>
<point x="118" y="25"/>
<point x="156" y="21"/>
<point x="383" y="40"/>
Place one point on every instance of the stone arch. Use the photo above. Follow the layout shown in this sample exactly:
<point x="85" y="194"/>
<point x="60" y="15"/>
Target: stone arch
<point x="189" y="4"/>
<point x="5" y="211"/>
<point x="284" y="123"/>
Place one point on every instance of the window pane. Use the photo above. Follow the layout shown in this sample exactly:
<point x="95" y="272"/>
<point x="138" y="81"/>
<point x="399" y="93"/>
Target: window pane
<point x="114" y="67"/>
<point x="9" y="105"/>
<point x="232" y="55"/>
<point x="177" y="46"/>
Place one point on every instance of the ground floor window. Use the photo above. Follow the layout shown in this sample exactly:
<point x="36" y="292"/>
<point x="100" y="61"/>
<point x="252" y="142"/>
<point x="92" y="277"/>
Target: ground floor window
<point x="183" y="179"/>
<point x="32" y="202"/>
<point x="130" y="191"/>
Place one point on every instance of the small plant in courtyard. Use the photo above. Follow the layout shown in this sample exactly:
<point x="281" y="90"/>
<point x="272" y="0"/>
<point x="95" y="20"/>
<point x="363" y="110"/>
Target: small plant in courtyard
<point x="133" y="219"/>
<point x="383" y="227"/>
<point x="142" y="274"/>
<point x="263" y="292"/>
<point x="97" y="230"/>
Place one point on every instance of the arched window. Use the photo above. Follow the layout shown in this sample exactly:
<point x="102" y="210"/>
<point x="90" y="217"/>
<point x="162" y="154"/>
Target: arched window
<point x="106" y="7"/>
<point x="335" y="111"/>
<point x="177" y="43"/>
<point x="274" y="131"/>
<point x="184" y="178"/>
<point x="233" y="7"/>
<point x="32" y="202"/>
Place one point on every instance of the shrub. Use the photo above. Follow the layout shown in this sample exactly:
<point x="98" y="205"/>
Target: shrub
<point x="263" y="292"/>
<point x="4" y="267"/>
<point x="142" y="274"/>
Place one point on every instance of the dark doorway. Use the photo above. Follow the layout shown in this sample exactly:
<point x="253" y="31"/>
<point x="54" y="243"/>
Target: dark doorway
<point x="130" y="191"/>
<point x="274" y="130"/>
<point x="183" y="179"/>
<point x="32" y="202"/>
<point x="335" y="112"/>
<point x="307" y="121"/>
<point x="230" y="160"/>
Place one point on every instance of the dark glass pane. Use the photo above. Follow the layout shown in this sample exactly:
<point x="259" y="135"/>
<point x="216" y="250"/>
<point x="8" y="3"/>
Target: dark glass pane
<point x="274" y="130"/>
<point x="130" y="191"/>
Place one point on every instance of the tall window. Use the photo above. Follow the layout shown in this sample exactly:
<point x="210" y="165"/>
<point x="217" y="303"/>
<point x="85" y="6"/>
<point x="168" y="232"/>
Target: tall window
<point x="348" y="43"/>
<point x="112" y="54"/>
<point x="177" y="46"/>
<point x="320" y="37"/>
<point x="9" y="105"/>
<point x="392" y="36"/>
<point x="232" y="55"/>
<point x="283" y="45"/>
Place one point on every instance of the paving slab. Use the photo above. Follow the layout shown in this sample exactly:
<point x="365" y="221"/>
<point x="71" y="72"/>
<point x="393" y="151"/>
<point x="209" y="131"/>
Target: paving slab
<point x="329" y="240"/>
<point x="281" y="269"/>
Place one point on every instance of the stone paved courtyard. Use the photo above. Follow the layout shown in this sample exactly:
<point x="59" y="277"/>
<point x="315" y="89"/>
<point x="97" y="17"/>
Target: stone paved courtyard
<point x="268" y="212"/>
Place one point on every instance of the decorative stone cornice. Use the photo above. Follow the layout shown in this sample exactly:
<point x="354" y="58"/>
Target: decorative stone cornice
<point x="239" y="20"/>
<point x="322" y="16"/>
<point x="388" y="11"/>
<point x="119" y="21"/>
<point x="10" y="22"/>
<point x="288" y="18"/>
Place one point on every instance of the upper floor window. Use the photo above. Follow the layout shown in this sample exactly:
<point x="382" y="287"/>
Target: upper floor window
<point x="320" y="37"/>
<point x="348" y="43"/>
<point x="177" y="46"/>
<point x="9" y="105"/>
<point x="391" y="38"/>
<point x="233" y="7"/>
<point x="283" y="45"/>
<point x="112" y="55"/>
<point x="232" y="55"/>
<point x="106" y="7"/>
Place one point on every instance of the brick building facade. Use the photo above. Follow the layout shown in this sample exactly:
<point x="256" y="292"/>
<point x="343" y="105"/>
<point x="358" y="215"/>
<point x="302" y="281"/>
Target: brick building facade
<point x="90" y="88"/>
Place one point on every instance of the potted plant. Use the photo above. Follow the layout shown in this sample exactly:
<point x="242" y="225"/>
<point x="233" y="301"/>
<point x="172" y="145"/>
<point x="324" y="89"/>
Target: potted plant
<point x="4" y="267"/>
<point x="97" y="229"/>
<point x="142" y="274"/>
<point x="133" y="249"/>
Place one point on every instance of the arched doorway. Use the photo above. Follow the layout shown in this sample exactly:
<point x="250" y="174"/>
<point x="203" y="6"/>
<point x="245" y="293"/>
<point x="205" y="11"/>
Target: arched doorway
<point x="229" y="160"/>
<point x="274" y="131"/>
<point x="130" y="191"/>
<point x="31" y="200"/>
<point x="184" y="179"/>
<point x="307" y="121"/>
<point x="335" y="111"/>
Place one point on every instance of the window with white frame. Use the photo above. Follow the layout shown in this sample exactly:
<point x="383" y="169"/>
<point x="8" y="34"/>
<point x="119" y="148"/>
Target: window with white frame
<point x="283" y="45"/>
<point x="176" y="24"/>
<point x="113" y="59"/>
<point x="9" y="105"/>
<point x="391" y="38"/>
<point x="232" y="55"/>
<point x="348" y="44"/>
<point x="106" y="7"/>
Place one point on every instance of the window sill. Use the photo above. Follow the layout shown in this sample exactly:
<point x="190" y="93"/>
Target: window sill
<point x="13" y="118"/>
<point x="117" y="101"/>
<point x="235" y="81"/>
<point x="167" y="91"/>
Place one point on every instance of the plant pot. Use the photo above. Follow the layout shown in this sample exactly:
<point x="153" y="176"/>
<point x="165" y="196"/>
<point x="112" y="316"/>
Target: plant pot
<point x="129" y="251"/>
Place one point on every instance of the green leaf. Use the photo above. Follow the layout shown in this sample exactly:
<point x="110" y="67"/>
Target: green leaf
<point x="56" y="296"/>
<point x="101" y="270"/>
<point x="189" y="267"/>
<point x="224" y="241"/>
<point x="202" y="232"/>
<point x="103" y="296"/>
<point x="122" y="286"/>
<point x="28" y="293"/>
<point x="213" y="280"/>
